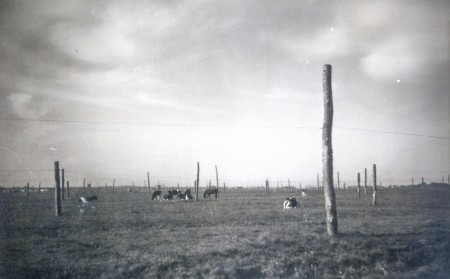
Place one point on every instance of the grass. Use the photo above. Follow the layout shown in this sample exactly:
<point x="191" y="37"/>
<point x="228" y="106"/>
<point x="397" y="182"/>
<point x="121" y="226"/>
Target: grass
<point x="243" y="234"/>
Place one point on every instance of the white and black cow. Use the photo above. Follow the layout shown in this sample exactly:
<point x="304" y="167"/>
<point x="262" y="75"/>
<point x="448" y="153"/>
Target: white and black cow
<point x="290" y="203"/>
<point x="168" y="196"/>
<point x="156" y="195"/>
<point x="87" y="199"/>
<point x="303" y="193"/>
<point x="186" y="195"/>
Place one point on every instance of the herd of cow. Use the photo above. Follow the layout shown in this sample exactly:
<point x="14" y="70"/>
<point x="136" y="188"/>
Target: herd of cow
<point x="186" y="195"/>
<point x="289" y="203"/>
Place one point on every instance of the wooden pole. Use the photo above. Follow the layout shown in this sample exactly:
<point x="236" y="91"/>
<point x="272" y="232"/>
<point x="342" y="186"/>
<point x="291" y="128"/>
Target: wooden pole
<point x="114" y="182"/>
<point x="68" y="190"/>
<point x="148" y="181"/>
<point x="57" y="191"/>
<point x="217" y="178"/>
<point x="339" y="182"/>
<point x="359" y="185"/>
<point x="412" y="181"/>
<point x="39" y="187"/>
<point x="62" y="184"/>
<point x="423" y="183"/>
<point x="365" y="182"/>
<point x="317" y="183"/>
<point x="197" y="181"/>
<point x="224" y="187"/>
<point x="84" y="186"/>
<point x="327" y="154"/>
<point x="28" y="188"/>
<point x="374" y="197"/>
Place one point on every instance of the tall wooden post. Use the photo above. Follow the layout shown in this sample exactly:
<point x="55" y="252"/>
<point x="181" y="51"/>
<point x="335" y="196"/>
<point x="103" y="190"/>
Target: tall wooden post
<point x="57" y="191"/>
<point x="412" y="181"/>
<point x="224" y="187"/>
<point x="114" y="183"/>
<point x="39" y="187"/>
<point x="327" y="154"/>
<point x="148" y="181"/>
<point x="84" y="186"/>
<point x="423" y="183"/>
<point x="359" y="185"/>
<point x="365" y="182"/>
<point x="197" y="181"/>
<point x="374" y="197"/>
<point x="62" y="184"/>
<point x="267" y="185"/>
<point x="28" y="188"/>
<point x="68" y="189"/>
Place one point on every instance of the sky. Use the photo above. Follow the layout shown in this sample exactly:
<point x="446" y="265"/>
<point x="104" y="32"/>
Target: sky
<point x="116" y="89"/>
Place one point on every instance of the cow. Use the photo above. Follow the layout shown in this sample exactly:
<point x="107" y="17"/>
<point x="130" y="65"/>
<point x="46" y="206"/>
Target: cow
<point x="175" y="192"/>
<point x="303" y="193"/>
<point x="168" y="196"/>
<point x="186" y="195"/>
<point x="87" y="199"/>
<point x="290" y="203"/>
<point x="156" y="195"/>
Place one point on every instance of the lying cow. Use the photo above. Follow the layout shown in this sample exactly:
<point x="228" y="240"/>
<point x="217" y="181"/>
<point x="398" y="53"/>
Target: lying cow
<point x="87" y="199"/>
<point x="290" y="203"/>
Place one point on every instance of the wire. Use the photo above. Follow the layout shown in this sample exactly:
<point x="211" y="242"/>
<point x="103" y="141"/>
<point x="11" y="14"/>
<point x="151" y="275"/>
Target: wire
<point x="218" y="126"/>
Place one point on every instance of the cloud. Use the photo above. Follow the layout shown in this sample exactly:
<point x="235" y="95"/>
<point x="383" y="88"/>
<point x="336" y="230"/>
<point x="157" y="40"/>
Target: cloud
<point x="393" y="59"/>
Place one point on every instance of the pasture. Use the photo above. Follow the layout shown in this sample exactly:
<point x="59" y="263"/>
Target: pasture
<point x="243" y="234"/>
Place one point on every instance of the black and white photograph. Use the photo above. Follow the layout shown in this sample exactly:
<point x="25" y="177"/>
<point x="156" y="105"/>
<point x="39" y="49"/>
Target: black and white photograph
<point x="225" y="139"/>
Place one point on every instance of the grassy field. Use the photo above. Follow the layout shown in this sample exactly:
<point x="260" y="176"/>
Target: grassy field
<point x="243" y="234"/>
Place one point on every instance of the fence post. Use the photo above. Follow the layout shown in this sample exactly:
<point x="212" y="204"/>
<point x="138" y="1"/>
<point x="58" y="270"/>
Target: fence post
<point x="197" y="181"/>
<point x="317" y="183"/>
<point x="327" y="154"/>
<point x="114" y="183"/>
<point x="365" y="182"/>
<point x="84" y="186"/>
<point x="339" y="182"/>
<point x="39" y="187"/>
<point x="374" y="198"/>
<point x="57" y="191"/>
<point x="217" y="178"/>
<point x="148" y="181"/>
<point x="359" y="186"/>
<point x="68" y="190"/>
<point x="62" y="184"/>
